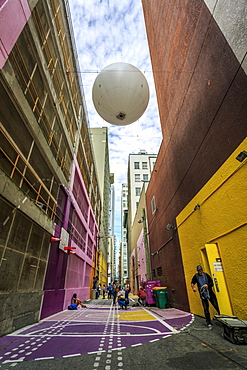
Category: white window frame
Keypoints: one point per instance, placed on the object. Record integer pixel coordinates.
(137, 177)
(139, 190)
(153, 205)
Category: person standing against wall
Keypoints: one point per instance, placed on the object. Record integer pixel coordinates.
(205, 284)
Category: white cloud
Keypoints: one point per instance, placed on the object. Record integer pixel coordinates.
(109, 31)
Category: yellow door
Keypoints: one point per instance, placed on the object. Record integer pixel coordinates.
(213, 265)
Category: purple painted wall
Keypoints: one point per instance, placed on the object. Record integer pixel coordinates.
(84, 237)
(71, 273)
(13, 17)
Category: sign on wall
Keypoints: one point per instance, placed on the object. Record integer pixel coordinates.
(65, 240)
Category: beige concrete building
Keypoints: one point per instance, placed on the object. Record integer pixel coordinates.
(99, 138)
(140, 167)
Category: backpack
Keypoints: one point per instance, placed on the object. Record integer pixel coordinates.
(204, 292)
(72, 307)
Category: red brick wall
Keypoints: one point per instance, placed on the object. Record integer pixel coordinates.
(201, 91)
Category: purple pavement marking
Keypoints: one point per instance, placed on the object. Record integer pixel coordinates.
(84, 328)
(179, 322)
(66, 334)
(37, 329)
(143, 327)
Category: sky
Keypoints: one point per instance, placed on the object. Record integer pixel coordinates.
(106, 32)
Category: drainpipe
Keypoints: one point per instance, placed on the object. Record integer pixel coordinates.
(146, 245)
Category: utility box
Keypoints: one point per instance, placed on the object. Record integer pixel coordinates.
(235, 330)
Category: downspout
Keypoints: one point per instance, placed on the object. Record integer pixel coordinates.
(146, 245)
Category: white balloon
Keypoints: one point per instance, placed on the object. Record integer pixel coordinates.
(120, 94)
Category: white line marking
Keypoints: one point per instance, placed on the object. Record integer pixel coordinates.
(76, 354)
(135, 345)
(16, 360)
(44, 358)
(96, 352)
(118, 349)
(161, 321)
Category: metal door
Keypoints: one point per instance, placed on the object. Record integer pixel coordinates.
(212, 264)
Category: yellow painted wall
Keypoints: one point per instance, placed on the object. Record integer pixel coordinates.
(221, 219)
(102, 270)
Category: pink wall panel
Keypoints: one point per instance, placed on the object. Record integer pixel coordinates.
(14, 15)
(141, 257)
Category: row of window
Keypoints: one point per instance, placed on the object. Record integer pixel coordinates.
(144, 165)
(144, 177)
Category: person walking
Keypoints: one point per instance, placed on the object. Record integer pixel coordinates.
(109, 289)
(98, 289)
(104, 291)
(126, 290)
(205, 284)
(114, 291)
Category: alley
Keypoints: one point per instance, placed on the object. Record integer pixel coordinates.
(103, 336)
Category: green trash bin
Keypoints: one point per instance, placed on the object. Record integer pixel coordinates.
(160, 296)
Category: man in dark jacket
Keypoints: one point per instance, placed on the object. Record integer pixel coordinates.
(205, 284)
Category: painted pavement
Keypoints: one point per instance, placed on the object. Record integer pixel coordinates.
(95, 329)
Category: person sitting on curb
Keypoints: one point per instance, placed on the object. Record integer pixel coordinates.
(142, 297)
(75, 300)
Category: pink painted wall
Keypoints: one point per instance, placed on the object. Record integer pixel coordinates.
(14, 15)
(141, 258)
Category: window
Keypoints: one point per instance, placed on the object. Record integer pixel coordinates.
(136, 165)
(144, 165)
(159, 271)
(153, 205)
(137, 204)
(137, 177)
(145, 177)
(138, 191)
